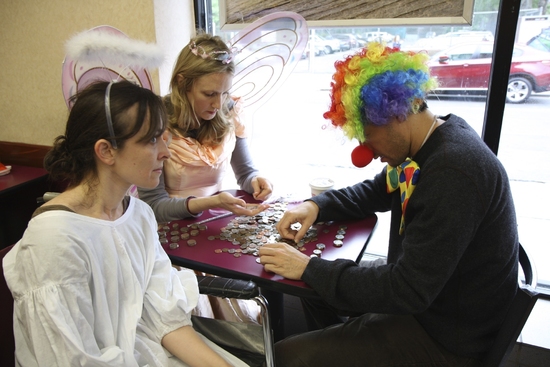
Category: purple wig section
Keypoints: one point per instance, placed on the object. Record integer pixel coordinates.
(391, 94)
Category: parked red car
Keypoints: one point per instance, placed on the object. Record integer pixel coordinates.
(465, 69)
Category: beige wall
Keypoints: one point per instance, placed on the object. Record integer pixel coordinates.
(32, 37)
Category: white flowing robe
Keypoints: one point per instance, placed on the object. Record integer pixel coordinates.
(95, 292)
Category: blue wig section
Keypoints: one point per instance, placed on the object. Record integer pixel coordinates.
(391, 94)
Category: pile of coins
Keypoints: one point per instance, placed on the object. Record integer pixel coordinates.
(175, 234)
(247, 234)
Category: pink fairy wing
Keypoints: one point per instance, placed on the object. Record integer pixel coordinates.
(268, 51)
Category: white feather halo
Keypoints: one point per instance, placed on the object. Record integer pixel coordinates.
(105, 47)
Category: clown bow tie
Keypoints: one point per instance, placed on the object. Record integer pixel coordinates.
(405, 176)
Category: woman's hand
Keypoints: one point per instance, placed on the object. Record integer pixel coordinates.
(237, 205)
(262, 188)
(225, 200)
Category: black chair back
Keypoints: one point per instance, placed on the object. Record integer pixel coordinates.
(517, 316)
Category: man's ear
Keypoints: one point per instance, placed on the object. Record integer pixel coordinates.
(104, 151)
(419, 105)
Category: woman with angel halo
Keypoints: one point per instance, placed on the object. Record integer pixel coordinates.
(208, 137)
(104, 292)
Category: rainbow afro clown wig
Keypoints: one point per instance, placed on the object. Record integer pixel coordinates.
(376, 85)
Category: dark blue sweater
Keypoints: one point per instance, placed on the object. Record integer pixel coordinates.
(455, 266)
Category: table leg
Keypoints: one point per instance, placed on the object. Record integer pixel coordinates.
(275, 301)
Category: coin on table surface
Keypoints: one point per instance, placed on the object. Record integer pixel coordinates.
(338, 243)
(218, 250)
(174, 246)
(191, 242)
(321, 246)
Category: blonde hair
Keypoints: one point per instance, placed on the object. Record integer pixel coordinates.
(191, 67)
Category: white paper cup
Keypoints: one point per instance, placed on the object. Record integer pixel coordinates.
(320, 185)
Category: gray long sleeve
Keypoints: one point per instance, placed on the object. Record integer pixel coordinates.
(165, 208)
(243, 166)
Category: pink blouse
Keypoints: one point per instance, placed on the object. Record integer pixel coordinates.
(195, 169)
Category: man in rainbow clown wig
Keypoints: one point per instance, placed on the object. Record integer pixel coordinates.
(451, 268)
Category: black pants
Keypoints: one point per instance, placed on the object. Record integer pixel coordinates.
(371, 340)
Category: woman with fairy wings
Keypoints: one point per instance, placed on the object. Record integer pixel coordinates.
(208, 137)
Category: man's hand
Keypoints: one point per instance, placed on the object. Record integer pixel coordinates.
(305, 214)
(283, 259)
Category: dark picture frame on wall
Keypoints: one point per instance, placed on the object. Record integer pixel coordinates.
(235, 14)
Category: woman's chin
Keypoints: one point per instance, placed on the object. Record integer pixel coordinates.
(149, 184)
(208, 116)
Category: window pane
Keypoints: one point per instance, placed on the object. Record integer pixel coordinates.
(525, 145)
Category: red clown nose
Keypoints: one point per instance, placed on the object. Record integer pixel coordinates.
(361, 156)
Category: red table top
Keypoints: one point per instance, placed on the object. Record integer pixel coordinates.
(206, 256)
(20, 175)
